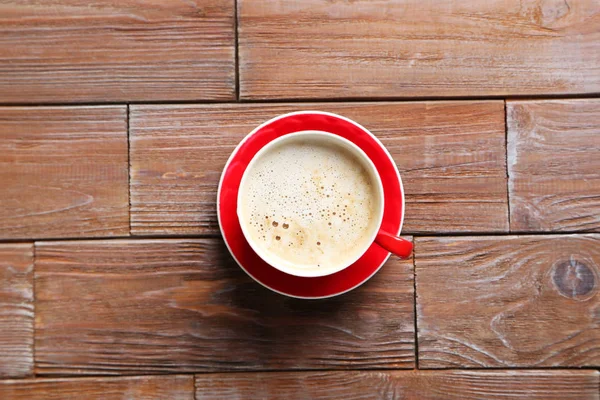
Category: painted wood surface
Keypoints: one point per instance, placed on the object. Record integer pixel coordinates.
(515, 301)
(16, 309)
(117, 119)
(406, 385)
(74, 51)
(451, 156)
(63, 172)
(175, 387)
(167, 306)
(554, 165)
(380, 49)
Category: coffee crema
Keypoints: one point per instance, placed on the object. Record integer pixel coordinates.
(309, 204)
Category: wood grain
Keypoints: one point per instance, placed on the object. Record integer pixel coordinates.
(516, 301)
(164, 306)
(63, 172)
(364, 48)
(128, 50)
(554, 165)
(408, 385)
(176, 387)
(16, 310)
(451, 156)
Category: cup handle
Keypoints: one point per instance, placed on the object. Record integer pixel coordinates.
(392, 243)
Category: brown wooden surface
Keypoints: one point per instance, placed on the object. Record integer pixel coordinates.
(16, 310)
(516, 301)
(158, 306)
(451, 157)
(63, 172)
(497, 181)
(364, 48)
(128, 50)
(407, 385)
(554, 165)
(175, 387)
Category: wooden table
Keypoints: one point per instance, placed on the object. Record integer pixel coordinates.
(118, 117)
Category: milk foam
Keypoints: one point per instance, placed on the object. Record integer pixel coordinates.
(310, 203)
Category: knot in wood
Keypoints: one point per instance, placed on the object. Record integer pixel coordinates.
(573, 278)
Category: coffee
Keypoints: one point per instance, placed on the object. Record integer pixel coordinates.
(310, 203)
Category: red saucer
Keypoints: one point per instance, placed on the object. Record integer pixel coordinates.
(249, 261)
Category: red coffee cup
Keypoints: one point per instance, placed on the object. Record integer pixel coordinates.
(273, 273)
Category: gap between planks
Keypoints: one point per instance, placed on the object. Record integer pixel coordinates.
(292, 371)
(415, 316)
(505, 167)
(236, 54)
(129, 166)
(34, 246)
(311, 100)
(217, 236)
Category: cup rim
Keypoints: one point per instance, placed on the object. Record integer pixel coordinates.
(373, 173)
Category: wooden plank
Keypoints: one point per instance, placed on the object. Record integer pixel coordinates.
(554, 165)
(516, 301)
(409, 385)
(16, 310)
(127, 50)
(450, 154)
(176, 387)
(63, 172)
(365, 48)
(158, 306)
